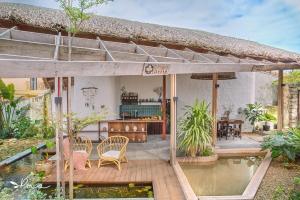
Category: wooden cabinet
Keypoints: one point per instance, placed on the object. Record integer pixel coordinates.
(135, 130)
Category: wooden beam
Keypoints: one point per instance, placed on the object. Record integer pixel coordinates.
(280, 101)
(176, 55)
(24, 48)
(173, 117)
(20, 68)
(214, 108)
(12, 56)
(8, 31)
(109, 57)
(140, 50)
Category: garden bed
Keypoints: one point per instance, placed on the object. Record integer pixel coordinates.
(10, 147)
(278, 181)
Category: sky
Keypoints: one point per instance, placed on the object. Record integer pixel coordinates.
(271, 22)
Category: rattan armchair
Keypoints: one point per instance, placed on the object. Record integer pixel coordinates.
(82, 143)
(112, 150)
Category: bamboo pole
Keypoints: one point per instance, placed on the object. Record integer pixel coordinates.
(173, 120)
(280, 101)
(214, 106)
(164, 109)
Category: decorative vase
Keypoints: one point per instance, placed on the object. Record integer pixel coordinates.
(126, 128)
(134, 128)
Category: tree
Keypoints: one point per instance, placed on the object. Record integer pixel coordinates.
(76, 11)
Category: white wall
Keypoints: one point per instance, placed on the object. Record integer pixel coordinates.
(107, 95)
(247, 88)
(235, 93)
(142, 85)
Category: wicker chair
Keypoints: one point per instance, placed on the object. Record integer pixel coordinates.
(82, 143)
(112, 150)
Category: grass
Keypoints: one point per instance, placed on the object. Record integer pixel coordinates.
(10, 147)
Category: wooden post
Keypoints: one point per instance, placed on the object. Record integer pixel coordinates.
(173, 120)
(70, 133)
(57, 102)
(214, 106)
(164, 109)
(280, 101)
(61, 137)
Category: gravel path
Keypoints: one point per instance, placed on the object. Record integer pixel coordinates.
(277, 177)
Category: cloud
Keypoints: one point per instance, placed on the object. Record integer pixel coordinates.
(272, 22)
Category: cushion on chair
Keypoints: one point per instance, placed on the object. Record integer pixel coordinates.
(112, 153)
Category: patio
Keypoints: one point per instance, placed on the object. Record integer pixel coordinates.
(157, 149)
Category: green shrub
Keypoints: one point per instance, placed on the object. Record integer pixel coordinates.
(207, 152)
(285, 144)
(268, 117)
(195, 129)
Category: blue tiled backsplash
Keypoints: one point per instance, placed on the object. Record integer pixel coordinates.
(140, 110)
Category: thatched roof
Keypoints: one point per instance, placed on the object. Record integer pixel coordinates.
(124, 29)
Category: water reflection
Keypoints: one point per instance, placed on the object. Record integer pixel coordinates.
(229, 176)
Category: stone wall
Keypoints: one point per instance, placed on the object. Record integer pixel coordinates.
(293, 104)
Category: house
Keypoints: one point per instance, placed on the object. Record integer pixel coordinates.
(239, 90)
(117, 61)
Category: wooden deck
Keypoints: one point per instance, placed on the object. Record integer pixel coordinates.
(159, 172)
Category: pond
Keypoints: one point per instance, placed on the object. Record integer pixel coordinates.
(228, 176)
(130, 190)
(18, 169)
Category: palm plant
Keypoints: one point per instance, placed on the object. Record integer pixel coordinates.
(195, 129)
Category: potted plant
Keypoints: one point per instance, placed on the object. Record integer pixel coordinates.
(254, 113)
(195, 136)
(269, 119)
(44, 165)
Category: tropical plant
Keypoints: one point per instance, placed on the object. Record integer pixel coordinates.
(254, 113)
(195, 129)
(284, 144)
(8, 109)
(290, 77)
(268, 117)
(295, 139)
(79, 123)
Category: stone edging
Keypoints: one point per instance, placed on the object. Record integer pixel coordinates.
(198, 159)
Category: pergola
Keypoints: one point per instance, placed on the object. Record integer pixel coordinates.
(25, 54)
(32, 54)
